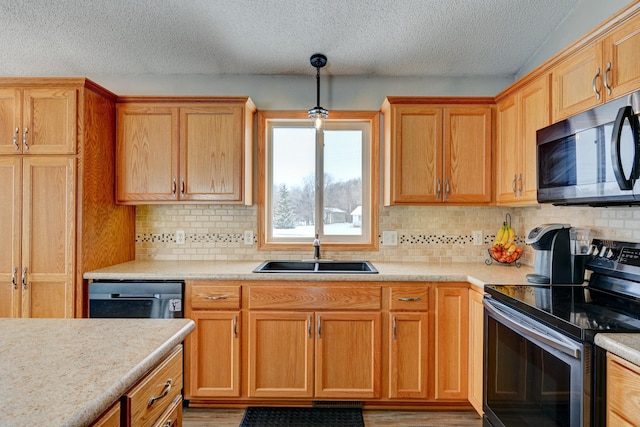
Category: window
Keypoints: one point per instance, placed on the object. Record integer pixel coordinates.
(318, 183)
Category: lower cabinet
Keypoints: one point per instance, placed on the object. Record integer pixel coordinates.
(334, 355)
(476, 349)
(623, 392)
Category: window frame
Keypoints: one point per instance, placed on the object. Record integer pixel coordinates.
(372, 118)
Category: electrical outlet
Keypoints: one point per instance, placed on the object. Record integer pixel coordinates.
(390, 238)
(248, 237)
(477, 237)
(180, 237)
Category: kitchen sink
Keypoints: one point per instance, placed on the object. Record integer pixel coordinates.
(319, 266)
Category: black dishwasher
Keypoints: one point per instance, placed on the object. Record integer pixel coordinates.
(136, 299)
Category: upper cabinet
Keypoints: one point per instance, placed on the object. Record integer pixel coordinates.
(38, 120)
(518, 116)
(184, 150)
(602, 70)
(437, 150)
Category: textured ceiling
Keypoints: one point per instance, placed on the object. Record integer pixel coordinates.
(274, 37)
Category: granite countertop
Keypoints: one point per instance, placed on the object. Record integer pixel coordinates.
(66, 372)
(478, 274)
(624, 345)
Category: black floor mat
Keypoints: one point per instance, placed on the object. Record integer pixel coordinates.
(258, 416)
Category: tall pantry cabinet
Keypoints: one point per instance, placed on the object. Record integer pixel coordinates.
(58, 216)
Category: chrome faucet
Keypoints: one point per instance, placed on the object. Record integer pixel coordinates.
(316, 248)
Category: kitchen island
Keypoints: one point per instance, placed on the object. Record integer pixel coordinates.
(67, 372)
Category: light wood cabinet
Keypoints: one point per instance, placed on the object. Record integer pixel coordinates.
(409, 344)
(111, 417)
(38, 120)
(297, 349)
(437, 152)
(602, 70)
(451, 342)
(58, 218)
(213, 349)
(184, 149)
(623, 392)
(518, 117)
(476, 350)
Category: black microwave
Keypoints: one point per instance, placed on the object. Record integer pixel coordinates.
(592, 158)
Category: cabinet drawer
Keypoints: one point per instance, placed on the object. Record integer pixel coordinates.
(314, 298)
(210, 296)
(623, 388)
(410, 298)
(173, 416)
(111, 418)
(151, 397)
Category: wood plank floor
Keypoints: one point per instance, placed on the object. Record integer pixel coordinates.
(199, 417)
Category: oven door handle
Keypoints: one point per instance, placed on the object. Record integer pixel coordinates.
(527, 329)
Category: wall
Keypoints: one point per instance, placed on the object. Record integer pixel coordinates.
(425, 234)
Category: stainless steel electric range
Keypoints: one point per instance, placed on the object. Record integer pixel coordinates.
(541, 366)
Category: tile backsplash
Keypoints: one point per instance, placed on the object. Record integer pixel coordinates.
(425, 233)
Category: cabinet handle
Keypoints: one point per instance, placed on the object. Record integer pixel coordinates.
(182, 187)
(520, 184)
(410, 299)
(606, 78)
(235, 326)
(24, 278)
(395, 328)
(319, 327)
(438, 188)
(24, 139)
(309, 320)
(14, 282)
(447, 188)
(215, 297)
(173, 188)
(168, 423)
(595, 79)
(167, 389)
(513, 185)
(15, 139)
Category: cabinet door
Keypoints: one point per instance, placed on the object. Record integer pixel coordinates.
(49, 121)
(348, 355)
(535, 114)
(577, 83)
(281, 348)
(476, 349)
(215, 354)
(10, 223)
(10, 121)
(408, 355)
(416, 154)
(622, 46)
(211, 157)
(48, 233)
(467, 155)
(623, 391)
(146, 153)
(452, 341)
(507, 165)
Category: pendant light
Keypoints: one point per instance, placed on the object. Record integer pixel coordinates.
(318, 114)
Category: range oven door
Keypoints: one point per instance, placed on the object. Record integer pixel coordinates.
(139, 299)
(534, 375)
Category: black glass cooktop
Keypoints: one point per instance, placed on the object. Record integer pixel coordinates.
(577, 310)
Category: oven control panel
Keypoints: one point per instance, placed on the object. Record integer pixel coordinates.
(615, 256)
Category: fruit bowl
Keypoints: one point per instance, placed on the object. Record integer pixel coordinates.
(495, 254)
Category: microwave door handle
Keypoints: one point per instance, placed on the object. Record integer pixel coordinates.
(625, 113)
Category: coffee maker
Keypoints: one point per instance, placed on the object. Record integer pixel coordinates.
(555, 260)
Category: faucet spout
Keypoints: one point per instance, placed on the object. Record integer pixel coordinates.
(316, 248)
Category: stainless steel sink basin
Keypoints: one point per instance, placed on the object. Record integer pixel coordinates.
(321, 266)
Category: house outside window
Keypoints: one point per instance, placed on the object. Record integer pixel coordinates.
(318, 183)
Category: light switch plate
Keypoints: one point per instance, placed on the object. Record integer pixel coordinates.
(180, 237)
(390, 238)
(248, 237)
(477, 237)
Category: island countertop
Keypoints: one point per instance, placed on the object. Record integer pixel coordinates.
(66, 372)
(478, 274)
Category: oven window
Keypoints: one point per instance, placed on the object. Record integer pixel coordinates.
(525, 385)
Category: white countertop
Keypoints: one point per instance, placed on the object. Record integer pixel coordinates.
(478, 274)
(66, 372)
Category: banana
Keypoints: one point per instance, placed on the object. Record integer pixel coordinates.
(505, 237)
(511, 234)
(499, 235)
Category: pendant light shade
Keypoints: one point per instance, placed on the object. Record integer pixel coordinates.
(318, 114)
